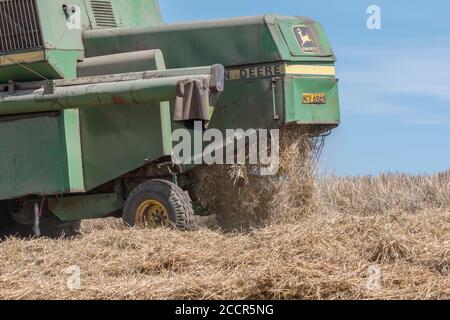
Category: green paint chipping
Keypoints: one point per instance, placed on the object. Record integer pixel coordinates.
(73, 148)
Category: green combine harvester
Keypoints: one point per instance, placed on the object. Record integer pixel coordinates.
(92, 90)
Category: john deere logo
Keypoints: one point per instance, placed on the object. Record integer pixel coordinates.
(306, 39)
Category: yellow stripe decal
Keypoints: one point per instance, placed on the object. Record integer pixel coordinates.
(309, 69)
(22, 57)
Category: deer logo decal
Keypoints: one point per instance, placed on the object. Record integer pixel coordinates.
(306, 39)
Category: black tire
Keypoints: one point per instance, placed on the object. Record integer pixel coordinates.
(8, 226)
(50, 225)
(175, 202)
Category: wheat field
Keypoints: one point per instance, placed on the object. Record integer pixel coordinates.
(385, 237)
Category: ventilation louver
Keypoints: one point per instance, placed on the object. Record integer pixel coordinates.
(103, 14)
(19, 26)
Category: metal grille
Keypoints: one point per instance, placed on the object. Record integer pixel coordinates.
(19, 25)
(103, 14)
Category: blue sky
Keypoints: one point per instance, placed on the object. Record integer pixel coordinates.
(394, 82)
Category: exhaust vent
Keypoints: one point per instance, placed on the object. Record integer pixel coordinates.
(103, 14)
(19, 26)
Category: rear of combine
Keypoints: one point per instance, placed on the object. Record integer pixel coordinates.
(93, 90)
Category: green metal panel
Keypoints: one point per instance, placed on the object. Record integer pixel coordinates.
(166, 128)
(63, 45)
(63, 62)
(297, 112)
(53, 25)
(228, 42)
(119, 139)
(139, 12)
(249, 104)
(85, 207)
(264, 96)
(130, 13)
(231, 42)
(127, 14)
(16, 73)
(56, 64)
(32, 158)
(72, 136)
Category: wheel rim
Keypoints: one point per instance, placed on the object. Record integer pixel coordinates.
(153, 214)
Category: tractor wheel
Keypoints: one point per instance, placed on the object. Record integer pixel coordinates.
(8, 226)
(158, 203)
(11, 223)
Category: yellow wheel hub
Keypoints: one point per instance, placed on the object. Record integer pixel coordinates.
(153, 214)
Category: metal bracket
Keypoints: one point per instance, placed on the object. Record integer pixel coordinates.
(11, 87)
(49, 87)
(276, 116)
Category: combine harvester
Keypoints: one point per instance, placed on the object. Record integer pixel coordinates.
(92, 90)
